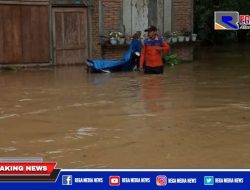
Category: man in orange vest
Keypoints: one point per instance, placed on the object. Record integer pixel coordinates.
(151, 54)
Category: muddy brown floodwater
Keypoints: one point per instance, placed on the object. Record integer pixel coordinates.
(194, 116)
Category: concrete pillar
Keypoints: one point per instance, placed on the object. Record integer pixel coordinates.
(167, 4)
(127, 16)
(101, 19)
(139, 15)
(152, 12)
(160, 14)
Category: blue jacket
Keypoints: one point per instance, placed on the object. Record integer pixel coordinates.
(136, 45)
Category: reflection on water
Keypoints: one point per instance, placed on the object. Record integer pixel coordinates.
(152, 93)
(194, 116)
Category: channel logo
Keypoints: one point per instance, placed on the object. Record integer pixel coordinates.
(226, 20)
(114, 180)
(67, 180)
(209, 180)
(161, 180)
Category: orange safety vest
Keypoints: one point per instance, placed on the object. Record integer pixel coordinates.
(150, 54)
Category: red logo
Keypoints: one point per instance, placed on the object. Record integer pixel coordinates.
(161, 180)
(114, 180)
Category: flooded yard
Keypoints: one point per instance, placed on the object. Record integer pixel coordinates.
(196, 115)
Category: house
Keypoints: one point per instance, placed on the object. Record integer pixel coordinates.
(56, 32)
(132, 15)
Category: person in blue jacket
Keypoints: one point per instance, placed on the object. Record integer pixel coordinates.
(132, 56)
(135, 47)
(136, 43)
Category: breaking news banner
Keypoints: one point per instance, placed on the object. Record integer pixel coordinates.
(34, 173)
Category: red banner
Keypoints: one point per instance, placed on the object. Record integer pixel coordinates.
(29, 168)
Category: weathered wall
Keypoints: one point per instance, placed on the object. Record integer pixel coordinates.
(164, 15)
(70, 35)
(112, 15)
(182, 15)
(167, 15)
(184, 51)
(24, 34)
(96, 48)
(112, 21)
(139, 14)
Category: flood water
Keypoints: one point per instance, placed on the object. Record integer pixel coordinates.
(196, 115)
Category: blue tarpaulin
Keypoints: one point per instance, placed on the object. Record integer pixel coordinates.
(123, 64)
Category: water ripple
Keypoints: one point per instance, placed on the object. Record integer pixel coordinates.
(7, 149)
(8, 116)
(24, 100)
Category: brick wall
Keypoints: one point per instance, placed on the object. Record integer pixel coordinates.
(112, 15)
(183, 51)
(112, 22)
(112, 18)
(182, 15)
(114, 52)
(182, 18)
(96, 50)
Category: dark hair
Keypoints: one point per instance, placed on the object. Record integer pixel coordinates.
(137, 35)
(151, 29)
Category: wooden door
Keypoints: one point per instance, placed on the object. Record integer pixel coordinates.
(70, 35)
(24, 34)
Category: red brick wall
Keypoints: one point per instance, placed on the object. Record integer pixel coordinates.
(182, 15)
(112, 22)
(183, 19)
(112, 18)
(112, 15)
(183, 51)
(96, 50)
(114, 52)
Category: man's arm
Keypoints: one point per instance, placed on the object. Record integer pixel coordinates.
(165, 47)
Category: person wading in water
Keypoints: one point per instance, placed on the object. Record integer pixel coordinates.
(151, 54)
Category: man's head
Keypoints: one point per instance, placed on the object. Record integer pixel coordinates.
(137, 35)
(151, 31)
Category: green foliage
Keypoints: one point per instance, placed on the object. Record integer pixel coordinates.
(204, 20)
(172, 59)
